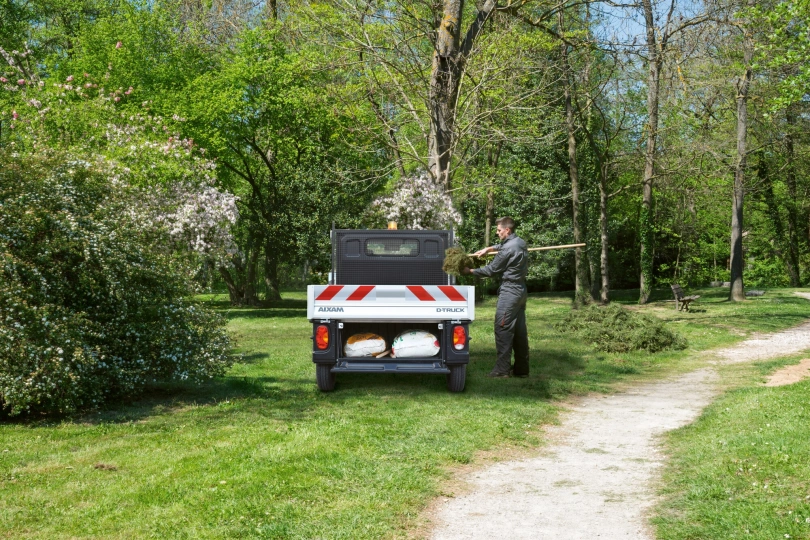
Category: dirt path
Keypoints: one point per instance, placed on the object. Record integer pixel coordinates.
(595, 478)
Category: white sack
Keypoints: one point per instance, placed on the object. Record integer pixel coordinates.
(415, 343)
(364, 345)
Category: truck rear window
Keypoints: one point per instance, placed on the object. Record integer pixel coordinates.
(392, 247)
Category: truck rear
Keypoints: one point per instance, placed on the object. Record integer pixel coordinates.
(390, 284)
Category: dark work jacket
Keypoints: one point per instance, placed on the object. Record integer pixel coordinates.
(511, 263)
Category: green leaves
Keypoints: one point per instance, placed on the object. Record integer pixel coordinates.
(786, 48)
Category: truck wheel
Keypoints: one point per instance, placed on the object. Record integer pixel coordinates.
(325, 377)
(456, 378)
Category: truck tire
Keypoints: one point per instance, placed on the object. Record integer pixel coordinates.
(456, 378)
(325, 377)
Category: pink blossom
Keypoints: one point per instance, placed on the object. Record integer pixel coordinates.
(117, 99)
(3, 80)
(118, 45)
(86, 75)
(69, 79)
(128, 92)
(21, 82)
(14, 115)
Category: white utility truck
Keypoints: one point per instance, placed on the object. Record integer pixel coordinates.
(390, 283)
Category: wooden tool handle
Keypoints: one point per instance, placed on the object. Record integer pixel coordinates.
(546, 248)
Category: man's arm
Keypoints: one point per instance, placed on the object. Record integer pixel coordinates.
(495, 268)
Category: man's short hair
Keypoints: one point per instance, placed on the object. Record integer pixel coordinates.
(506, 223)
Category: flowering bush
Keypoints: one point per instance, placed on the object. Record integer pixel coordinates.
(91, 304)
(135, 148)
(417, 202)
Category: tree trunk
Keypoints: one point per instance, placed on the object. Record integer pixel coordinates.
(444, 85)
(742, 85)
(271, 275)
(234, 291)
(490, 216)
(594, 276)
(604, 293)
(250, 297)
(653, 79)
(581, 285)
(793, 267)
(493, 156)
(449, 59)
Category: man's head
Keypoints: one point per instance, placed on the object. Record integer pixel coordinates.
(506, 226)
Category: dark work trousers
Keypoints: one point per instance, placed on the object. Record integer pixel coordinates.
(510, 328)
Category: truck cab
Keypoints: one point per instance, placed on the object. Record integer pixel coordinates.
(387, 282)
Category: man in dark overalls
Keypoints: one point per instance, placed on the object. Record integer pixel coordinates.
(511, 265)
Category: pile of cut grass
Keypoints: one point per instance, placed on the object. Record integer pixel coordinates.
(615, 329)
(456, 260)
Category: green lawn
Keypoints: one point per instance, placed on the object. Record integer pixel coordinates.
(261, 453)
(742, 470)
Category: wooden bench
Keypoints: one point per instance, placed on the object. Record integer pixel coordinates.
(681, 301)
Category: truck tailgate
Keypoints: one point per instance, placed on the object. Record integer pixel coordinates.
(391, 302)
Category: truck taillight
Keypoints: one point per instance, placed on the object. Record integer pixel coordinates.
(459, 337)
(322, 337)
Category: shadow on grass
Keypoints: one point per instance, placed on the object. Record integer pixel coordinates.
(546, 367)
(558, 367)
(253, 358)
(160, 398)
(284, 308)
(294, 398)
(263, 313)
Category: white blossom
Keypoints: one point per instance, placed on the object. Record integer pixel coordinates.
(418, 202)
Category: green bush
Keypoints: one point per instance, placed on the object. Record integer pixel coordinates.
(92, 304)
(615, 329)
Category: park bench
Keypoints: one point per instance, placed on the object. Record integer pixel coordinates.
(681, 301)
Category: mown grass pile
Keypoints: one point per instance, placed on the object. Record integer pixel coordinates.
(456, 259)
(615, 329)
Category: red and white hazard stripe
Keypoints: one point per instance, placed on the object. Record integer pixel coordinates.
(408, 293)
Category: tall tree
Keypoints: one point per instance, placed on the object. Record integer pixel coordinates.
(581, 282)
(741, 86)
(657, 40)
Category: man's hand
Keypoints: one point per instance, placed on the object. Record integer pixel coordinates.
(466, 271)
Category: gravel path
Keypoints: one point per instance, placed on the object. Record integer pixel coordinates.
(595, 478)
(791, 341)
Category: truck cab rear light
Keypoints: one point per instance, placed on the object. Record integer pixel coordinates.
(459, 337)
(322, 337)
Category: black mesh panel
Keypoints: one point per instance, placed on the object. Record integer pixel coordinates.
(390, 257)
